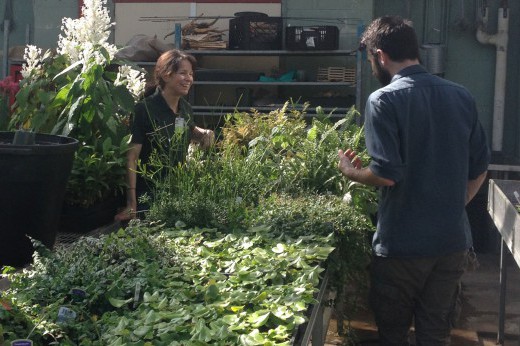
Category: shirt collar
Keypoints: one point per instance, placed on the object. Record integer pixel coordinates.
(413, 69)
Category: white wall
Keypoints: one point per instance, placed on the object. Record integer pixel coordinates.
(160, 18)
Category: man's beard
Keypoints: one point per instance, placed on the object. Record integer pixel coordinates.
(382, 75)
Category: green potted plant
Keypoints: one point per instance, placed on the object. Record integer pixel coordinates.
(81, 91)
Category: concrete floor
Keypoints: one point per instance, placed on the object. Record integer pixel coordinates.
(478, 323)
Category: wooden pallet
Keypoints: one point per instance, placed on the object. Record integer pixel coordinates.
(336, 74)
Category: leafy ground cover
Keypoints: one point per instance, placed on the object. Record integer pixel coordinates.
(168, 286)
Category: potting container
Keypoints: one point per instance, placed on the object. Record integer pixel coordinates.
(32, 186)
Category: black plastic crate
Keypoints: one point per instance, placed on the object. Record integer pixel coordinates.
(255, 33)
(312, 37)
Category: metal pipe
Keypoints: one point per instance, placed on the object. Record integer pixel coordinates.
(5, 55)
(502, 294)
(500, 40)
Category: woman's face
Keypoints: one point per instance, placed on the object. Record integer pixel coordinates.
(179, 82)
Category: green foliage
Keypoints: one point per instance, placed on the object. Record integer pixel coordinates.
(267, 216)
(150, 285)
(97, 174)
(258, 155)
(309, 214)
(86, 104)
(316, 214)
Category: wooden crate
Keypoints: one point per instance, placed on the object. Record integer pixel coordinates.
(336, 74)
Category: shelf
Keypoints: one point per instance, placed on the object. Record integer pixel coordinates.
(229, 52)
(259, 83)
(310, 111)
(216, 111)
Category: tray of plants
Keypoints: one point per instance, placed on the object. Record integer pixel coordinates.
(319, 315)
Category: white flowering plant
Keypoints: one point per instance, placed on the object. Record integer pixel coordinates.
(82, 91)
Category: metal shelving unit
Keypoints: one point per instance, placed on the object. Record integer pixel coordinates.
(219, 110)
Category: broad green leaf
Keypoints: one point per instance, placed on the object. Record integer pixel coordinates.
(123, 97)
(212, 293)
(201, 332)
(151, 317)
(142, 330)
(279, 248)
(107, 145)
(259, 318)
(260, 298)
(282, 313)
(298, 320)
(69, 68)
(253, 338)
(299, 306)
(236, 308)
(117, 303)
(231, 319)
(163, 303)
(312, 134)
(148, 298)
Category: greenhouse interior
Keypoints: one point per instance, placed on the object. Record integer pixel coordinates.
(250, 172)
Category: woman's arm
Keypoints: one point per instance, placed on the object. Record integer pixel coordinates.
(204, 137)
(131, 177)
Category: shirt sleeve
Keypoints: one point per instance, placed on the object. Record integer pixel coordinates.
(382, 139)
(140, 124)
(480, 153)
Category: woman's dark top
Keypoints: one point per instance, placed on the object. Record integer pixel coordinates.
(163, 133)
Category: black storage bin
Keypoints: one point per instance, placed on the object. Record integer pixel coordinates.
(312, 37)
(255, 33)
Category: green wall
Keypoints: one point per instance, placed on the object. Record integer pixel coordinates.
(469, 62)
(21, 21)
(47, 20)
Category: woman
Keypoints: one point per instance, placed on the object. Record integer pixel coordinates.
(162, 123)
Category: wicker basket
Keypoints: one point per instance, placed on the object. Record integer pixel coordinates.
(336, 74)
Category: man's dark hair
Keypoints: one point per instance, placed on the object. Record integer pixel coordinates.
(393, 35)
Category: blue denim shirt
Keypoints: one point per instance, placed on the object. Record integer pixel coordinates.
(423, 132)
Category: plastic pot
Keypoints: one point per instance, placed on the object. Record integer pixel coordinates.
(33, 179)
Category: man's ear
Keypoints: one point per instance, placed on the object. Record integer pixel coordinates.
(382, 57)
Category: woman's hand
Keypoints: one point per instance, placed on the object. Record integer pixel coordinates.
(208, 138)
(128, 213)
(204, 137)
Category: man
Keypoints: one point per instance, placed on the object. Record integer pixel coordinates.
(429, 157)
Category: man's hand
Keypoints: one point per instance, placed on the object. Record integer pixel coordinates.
(350, 166)
(348, 160)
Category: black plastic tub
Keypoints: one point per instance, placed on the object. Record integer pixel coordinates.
(33, 179)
